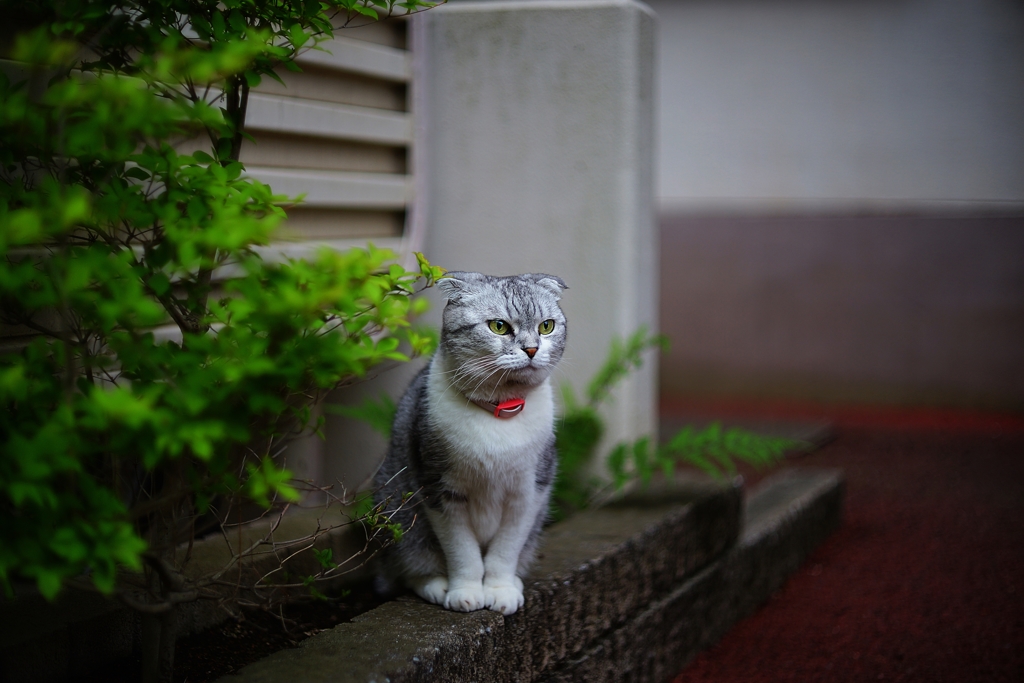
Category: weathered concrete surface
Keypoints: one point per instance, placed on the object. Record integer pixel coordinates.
(785, 519)
(625, 593)
(596, 570)
(602, 567)
(404, 640)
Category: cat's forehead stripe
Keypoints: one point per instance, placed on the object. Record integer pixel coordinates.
(523, 298)
(517, 302)
(517, 299)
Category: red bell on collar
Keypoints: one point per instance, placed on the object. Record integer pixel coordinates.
(503, 410)
(509, 408)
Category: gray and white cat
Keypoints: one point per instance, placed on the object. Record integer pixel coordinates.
(474, 438)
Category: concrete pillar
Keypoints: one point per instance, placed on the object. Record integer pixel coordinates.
(534, 154)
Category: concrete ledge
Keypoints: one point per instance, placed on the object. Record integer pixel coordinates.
(633, 551)
(786, 518)
(628, 592)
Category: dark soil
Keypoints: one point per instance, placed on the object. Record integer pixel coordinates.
(234, 644)
(210, 655)
(924, 580)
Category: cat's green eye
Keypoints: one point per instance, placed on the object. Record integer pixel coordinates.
(547, 327)
(499, 327)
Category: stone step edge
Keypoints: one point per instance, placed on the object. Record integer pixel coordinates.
(635, 550)
(786, 516)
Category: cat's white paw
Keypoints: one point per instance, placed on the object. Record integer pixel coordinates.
(505, 599)
(465, 599)
(431, 588)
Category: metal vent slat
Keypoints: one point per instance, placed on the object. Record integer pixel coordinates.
(338, 189)
(360, 57)
(318, 119)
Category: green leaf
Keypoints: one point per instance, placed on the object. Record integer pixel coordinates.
(623, 359)
(363, 507)
(266, 481)
(218, 25)
(617, 464)
(237, 22)
(49, 582)
(308, 581)
(160, 284)
(325, 558)
(577, 435)
(297, 35)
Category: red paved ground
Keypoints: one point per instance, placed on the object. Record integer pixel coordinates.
(924, 581)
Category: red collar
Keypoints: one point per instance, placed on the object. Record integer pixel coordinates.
(503, 410)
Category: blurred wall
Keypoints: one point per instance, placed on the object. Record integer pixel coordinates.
(534, 154)
(798, 101)
(841, 200)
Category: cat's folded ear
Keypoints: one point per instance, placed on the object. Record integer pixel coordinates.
(552, 283)
(456, 284)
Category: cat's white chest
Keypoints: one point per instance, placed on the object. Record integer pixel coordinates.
(493, 461)
(484, 447)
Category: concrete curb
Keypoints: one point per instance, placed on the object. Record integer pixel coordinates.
(672, 558)
(786, 518)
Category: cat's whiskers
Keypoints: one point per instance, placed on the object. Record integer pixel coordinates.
(479, 360)
(468, 368)
(471, 369)
(489, 375)
(498, 384)
(564, 367)
(453, 382)
(560, 369)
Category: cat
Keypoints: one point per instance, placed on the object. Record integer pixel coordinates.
(473, 437)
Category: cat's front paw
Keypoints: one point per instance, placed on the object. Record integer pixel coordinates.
(431, 588)
(506, 599)
(465, 599)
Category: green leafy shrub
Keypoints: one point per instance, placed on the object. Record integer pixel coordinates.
(154, 363)
(579, 431)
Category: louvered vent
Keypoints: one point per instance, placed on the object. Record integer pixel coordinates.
(339, 133)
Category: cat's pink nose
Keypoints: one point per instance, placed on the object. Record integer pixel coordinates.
(531, 351)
